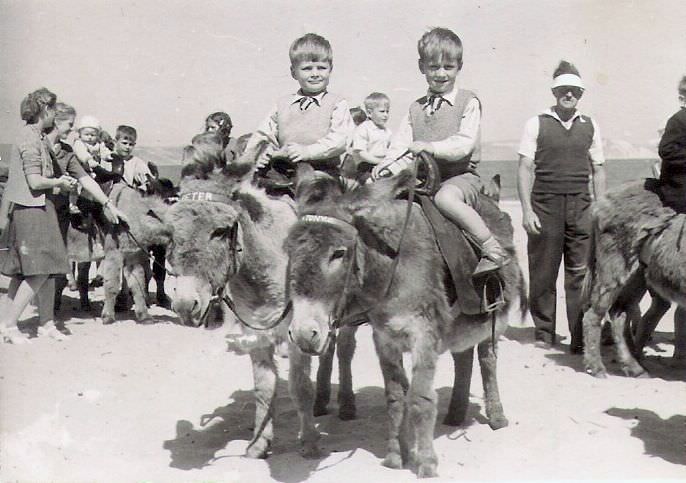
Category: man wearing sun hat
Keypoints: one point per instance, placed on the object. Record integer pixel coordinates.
(560, 149)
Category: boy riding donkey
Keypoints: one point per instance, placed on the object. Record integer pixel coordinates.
(312, 125)
(446, 124)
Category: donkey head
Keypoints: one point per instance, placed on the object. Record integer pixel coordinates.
(204, 253)
(326, 250)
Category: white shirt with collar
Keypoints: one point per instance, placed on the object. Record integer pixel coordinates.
(452, 148)
(372, 139)
(529, 143)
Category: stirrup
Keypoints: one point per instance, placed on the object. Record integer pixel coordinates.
(493, 297)
(487, 266)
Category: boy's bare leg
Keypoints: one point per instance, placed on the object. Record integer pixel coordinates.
(449, 201)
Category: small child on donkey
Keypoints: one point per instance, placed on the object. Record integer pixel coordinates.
(672, 151)
(446, 123)
(371, 138)
(89, 149)
(313, 125)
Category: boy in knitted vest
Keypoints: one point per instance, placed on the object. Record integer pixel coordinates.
(313, 125)
(446, 124)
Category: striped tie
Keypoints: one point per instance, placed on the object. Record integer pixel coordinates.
(433, 104)
(306, 101)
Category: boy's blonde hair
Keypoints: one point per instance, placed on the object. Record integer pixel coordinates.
(375, 99)
(310, 48)
(438, 43)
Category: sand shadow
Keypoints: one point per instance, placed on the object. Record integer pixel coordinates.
(195, 447)
(662, 438)
(523, 335)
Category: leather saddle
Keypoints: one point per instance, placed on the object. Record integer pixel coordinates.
(473, 296)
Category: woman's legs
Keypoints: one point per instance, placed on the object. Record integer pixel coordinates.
(17, 300)
(46, 311)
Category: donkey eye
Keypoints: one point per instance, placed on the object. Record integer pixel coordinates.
(338, 253)
(220, 233)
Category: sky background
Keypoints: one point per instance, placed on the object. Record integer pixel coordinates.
(163, 66)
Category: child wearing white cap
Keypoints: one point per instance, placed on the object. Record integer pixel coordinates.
(89, 150)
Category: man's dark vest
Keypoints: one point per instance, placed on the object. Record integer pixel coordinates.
(563, 165)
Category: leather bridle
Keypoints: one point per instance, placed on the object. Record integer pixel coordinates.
(220, 296)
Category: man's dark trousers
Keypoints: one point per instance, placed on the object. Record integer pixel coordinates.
(565, 232)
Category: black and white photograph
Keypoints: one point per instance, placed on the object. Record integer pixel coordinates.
(342, 241)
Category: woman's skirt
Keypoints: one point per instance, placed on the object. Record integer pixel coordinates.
(35, 245)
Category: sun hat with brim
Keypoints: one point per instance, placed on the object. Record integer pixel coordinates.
(572, 80)
(88, 121)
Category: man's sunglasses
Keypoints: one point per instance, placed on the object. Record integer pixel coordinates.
(563, 90)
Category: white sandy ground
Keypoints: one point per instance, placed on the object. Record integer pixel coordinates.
(123, 403)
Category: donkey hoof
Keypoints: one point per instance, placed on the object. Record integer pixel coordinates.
(259, 450)
(453, 420)
(107, 319)
(427, 470)
(320, 410)
(498, 422)
(310, 450)
(598, 371)
(635, 372)
(347, 413)
(393, 460)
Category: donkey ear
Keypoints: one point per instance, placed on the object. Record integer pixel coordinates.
(386, 189)
(314, 187)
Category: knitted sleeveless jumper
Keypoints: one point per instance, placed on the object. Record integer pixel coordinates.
(445, 122)
(308, 126)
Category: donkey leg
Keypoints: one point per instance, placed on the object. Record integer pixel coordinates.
(630, 365)
(459, 399)
(264, 377)
(302, 394)
(602, 298)
(323, 395)
(134, 273)
(112, 269)
(345, 348)
(396, 386)
(422, 409)
(680, 336)
(488, 361)
(647, 324)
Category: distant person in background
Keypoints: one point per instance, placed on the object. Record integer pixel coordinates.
(220, 123)
(672, 151)
(371, 138)
(134, 171)
(559, 150)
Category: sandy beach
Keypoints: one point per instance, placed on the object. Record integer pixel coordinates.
(124, 403)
